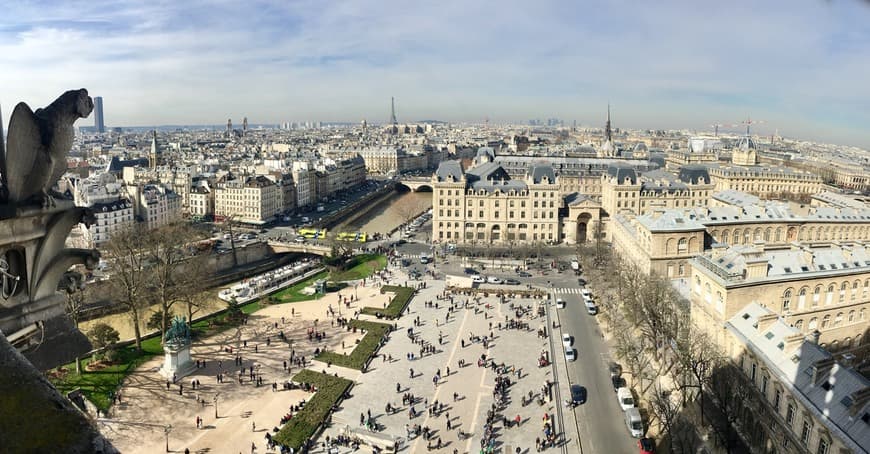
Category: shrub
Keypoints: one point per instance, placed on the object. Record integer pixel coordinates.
(397, 305)
(304, 424)
(364, 349)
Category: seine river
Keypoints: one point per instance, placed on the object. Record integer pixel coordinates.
(392, 212)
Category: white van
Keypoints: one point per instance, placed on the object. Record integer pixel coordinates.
(625, 399)
(633, 422)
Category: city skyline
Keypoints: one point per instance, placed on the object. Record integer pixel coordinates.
(800, 66)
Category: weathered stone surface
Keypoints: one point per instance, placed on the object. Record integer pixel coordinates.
(34, 417)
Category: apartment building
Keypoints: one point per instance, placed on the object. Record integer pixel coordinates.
(250, 200)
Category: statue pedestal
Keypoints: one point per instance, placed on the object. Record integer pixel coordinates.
(177, 361)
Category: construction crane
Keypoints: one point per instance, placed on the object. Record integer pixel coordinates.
(749, 121)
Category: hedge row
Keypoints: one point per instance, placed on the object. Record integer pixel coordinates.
(397, 305)
(304, 423)
(364, 350)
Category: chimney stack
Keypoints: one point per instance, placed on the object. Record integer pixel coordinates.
(822, 369)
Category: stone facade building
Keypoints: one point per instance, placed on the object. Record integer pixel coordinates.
(624, 190)
(802, 399)
(824, 289)
(484, 205)
(250, 200)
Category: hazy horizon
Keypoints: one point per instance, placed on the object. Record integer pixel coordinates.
(800, 66)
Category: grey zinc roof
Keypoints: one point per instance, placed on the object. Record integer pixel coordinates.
(539, 172)
(487, 171)
(693, 174)
(621, 173)
(794, 369)
(670, 220)
(447, 169)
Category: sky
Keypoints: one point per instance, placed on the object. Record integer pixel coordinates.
(802, 67)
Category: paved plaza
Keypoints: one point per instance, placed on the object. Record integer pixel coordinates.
(246, 412)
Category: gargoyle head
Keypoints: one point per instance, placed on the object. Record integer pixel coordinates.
(92, 259)
(83, 103)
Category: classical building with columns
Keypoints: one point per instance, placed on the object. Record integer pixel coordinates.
(483, 205)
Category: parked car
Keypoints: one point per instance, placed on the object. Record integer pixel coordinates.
(591, 308)
(633, 422)
(478, 279)
(493, 280)
(615, 369)
(646, 446)
(510, 282)
(617, 382)
(300, 239)
(567, 340)
(578, 395)
(472, 271)
(560, 303)
(524, 274)
(570, 354)
(624, 397)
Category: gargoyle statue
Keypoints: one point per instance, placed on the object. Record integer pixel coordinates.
(37, 147)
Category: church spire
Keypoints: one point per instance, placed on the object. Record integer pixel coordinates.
(153, 155)
(608, 133)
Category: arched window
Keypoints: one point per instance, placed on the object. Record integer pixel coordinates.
(786, 300)
(707, 294)
(767, 235)
(697, 284)
(847, 342)
(736, 238)
(802, 297)
(817, 293)
(682, 246)
(813, 324)
(778, 237)
(669, 246)
(726, 235)
(838, 320)
(829, 297)
(799, 325)
(851, 316)
(825, 321)
(861, 314)
(843, 288)
(855, 286)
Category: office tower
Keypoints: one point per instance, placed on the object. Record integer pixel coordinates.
(99, 124)
(229, 125)
(393, 120)
(245, 124)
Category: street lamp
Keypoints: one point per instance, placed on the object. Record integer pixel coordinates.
(166, 429)
(215, 405)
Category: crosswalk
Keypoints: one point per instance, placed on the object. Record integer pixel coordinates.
(567, 290)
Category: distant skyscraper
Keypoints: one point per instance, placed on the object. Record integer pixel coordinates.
(99, 123)
(393, 120)
(229, 125)
(245, 124)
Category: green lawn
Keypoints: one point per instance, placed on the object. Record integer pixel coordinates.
(397, 304)
(366, 348)
(361, 266)
(98, 386)
(304, 423)
(294, 293)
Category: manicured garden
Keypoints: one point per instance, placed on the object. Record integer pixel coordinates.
(294, 293)
(365, 348)
(304, 423)
(398, 304)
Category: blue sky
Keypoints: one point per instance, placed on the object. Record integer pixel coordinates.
(802, 66)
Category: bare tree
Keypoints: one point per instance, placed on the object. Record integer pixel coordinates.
(75, 296)
(697, 356)
(408, 208)
(127, 249)
(729, 391)
(169, 248)
(673, 421)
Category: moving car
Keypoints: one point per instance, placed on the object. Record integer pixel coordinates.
(624, 397)
(300, 239)
(575, 265)
(478, 279)
(524, 274)
(493, 280)
(570, 354)
(560, 303)
(472, 271)
(510, 282)
(578, 395)
(587, 295)
(567, 340)
(591, 308)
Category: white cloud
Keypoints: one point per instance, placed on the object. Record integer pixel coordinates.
(662, 64)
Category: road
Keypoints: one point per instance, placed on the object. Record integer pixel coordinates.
(600, 419)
